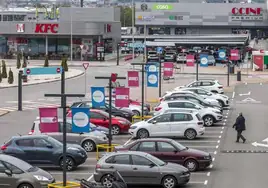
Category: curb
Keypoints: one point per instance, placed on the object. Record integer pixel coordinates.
(5, 113)
(51, 81)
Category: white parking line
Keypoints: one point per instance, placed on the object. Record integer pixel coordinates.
(192, 146)
(71, 173)
(197, 141)
(218, 141)
(233, 95)
(210, 166)
(129, 140)
(196, 182)
(206, 182)
(208, 174)
(213, 159)
(90, 177)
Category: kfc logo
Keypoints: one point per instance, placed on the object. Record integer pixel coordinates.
(46, 28)
(20, 28)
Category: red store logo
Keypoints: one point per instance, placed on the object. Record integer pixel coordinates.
(247, 11)
(46, 28)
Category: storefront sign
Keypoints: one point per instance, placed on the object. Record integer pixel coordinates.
(146, 18)
(247, 14)
(203, 60)
(121, 97)
(20, 28)
(168, 69)
(162, 7)
(175, 17)
(133, 78)
(46, 28)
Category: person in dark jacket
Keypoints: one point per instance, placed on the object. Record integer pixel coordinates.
(240, 127)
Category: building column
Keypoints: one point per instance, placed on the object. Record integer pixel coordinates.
(99, 39)
(46, 45)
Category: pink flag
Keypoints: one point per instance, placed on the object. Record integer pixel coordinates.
(234, 54)
(168, 69)
(122, 97)
(133, 78)
(190, 60)
(48, 120)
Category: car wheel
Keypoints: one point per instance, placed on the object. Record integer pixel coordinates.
(70, 165)
(190, 134)
(221, 103)
(107, 181)
(208, 120)
(136, 112)
(191, 164)
(169, 182)
(25, 185)
(115, 130)
(89, 145)
(143, 133)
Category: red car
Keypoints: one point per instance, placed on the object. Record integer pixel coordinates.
(169, 150)
(101, 118)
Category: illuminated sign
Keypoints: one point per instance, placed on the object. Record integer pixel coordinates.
(146, 18)
(46, 28)
(247, 14)
(175, 18)
(162, 7)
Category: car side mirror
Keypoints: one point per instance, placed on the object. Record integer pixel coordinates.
(154, 122)
(152, 165)
(49, 146)
(8, 172)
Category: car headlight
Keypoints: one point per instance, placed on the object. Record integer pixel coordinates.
(126, 114)
(74, 149)
(207, 157)
(217, 112)
(133, 127)
(41, 178)
(123, 122)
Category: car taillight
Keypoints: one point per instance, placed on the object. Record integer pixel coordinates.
(200, 123)
(220, 87)
(98, 166)
(158, 108)
(161, 99)
(31, 132)
(4, 147)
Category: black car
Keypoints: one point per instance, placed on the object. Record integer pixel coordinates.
(44, 150)
(115, 111)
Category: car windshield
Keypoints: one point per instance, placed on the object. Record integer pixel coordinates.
(156, 160)
(21, 164)
(54, 142)
(106, 114)
(152, 53)
(179, 146)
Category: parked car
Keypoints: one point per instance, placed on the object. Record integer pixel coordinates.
(44, 150)
(88, 141)
(169, 150)
(152, 56)
(16, 173)
(139, 168)
(223, 99)
(125, 50)
(187, 124)
(135, 102)
(170, 56)
(209, 115)
(127, 114)
(208, 84)
(181, 58)
(101, 118)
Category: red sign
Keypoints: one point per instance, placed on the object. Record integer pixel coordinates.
(122, 97)
(48, 120)
(261, 51)
(247, 11)
(108, 28)
(259, 61)
(234, 55)
(46, 28)
(133, 78)
(85, 65)
(190, 60)
(113, 77)
(168, 69)
(28, 71)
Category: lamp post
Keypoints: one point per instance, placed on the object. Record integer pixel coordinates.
(133, 50)
(72, 33)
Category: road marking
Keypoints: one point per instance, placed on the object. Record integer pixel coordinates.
(210, 166)
(196, 182)
(219, 136)
(260, 83)
(208, 174)
(90, 177)
(129, 140)
(246, 83)
(206, 182)
(221, 132)
(71, 173)
(213, 159)
(225, 120)
(224, 123)
(218, 141)
(245, 94)
(233, 95)
(192, 146)
(217, 146)
(10, 109)
(197, 141)
(215, 152)
(213, 132)
(222, 128)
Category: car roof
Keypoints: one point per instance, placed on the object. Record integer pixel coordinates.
(177, 101)
(29, 136)
(8, 158)
(154, 139)
(126, 152)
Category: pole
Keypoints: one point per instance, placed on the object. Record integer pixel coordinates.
(228, 74)
(196, 70)
(81, 3)
(160, 77)
(72, 34)
(142, 91)
(117, 55)
(145, 39)
(110, 112)
(20, 90)
(62, 84)
(133, 50)
(85, 81)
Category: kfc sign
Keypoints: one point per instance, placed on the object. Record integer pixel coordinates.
(20, 28)
(46, 28)
(247, 14)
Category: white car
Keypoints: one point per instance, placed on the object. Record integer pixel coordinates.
(208, 114)
(176, 92)
(170, 124)
(208, 84)
(169, 56)
(181, 57)
(152, 55)
(223, 99)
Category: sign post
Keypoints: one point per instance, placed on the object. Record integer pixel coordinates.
(81, 55)
(85, 65)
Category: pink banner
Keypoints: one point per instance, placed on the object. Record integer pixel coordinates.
(122, 97)
(234, 55)
(133, 78)
(48, 120)
(259, 61)
(190, 60)
(168, 69)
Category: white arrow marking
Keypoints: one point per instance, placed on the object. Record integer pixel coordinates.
(258, 144)
(265, 140)
(245, 94)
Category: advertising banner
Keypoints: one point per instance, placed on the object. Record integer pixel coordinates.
(190, 60)
(234, 55)
(121, 97)
(80, 120)
(133, 78)
(152, 67)
(48, 120)
(203, 60)
(222, 54)
(168, 69)
(98, 96)
(259, 61)
(152, 79)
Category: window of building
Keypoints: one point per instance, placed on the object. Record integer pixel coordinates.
(180, 31)
(159, 31)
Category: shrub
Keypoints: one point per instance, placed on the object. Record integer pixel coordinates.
(18, 61)
(46, 64)
(24, 64)
(4, 69)
(10, 77)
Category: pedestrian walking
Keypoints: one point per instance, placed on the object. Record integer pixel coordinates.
(240, 126)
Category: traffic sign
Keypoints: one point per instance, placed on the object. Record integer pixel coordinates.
(203, 60)
(85, 65)
(113, 77)
(152, 79)
(159, 50)
(80, 120)
(42, 70)
(98, 97)
(81, 46)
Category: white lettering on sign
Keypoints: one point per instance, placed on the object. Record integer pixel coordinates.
(234, 54)
(152, 79)
(168, 69)
(80, 119)
(48, 119)
(133, 78)
(122, 97)
(98, 96)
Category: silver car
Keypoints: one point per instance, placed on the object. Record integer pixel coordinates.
(88, 141)
(140, 168)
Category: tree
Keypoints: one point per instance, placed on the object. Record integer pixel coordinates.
(4, 69)
(64, 64)
(46, 64)
(10, 77)
(126, 16)
(18, 61)
(24, 64)
(0, 75)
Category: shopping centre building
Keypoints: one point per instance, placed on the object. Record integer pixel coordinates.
(174, 20)
(82, 32)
